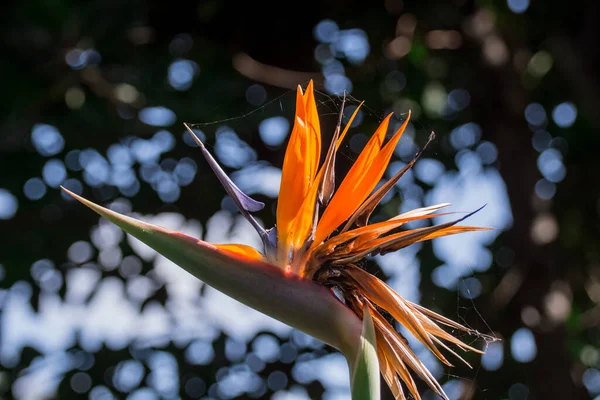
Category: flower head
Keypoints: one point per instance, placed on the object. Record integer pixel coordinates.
(323, 231)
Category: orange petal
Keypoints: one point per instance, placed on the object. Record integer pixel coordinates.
(385, 297)
(247, 252)
(402, 356)
(299, 165)
(380, 228)
(399, 240)
(360, 180)
(362, 214)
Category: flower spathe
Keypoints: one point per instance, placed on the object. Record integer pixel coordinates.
(322, 232)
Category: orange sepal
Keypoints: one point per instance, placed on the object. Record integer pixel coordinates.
(360, 180)
(299, 166)
(246, 252)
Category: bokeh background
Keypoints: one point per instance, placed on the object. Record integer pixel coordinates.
(94, 97)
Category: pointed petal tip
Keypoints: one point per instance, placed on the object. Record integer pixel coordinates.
(194, 136)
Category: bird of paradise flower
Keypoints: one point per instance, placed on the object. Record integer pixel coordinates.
(307, 275)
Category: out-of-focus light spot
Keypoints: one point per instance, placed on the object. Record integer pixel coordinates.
(434, 99)
(164, 376)
(200, 353)
(482, 23)
(535, 114)
(518, 6)
(467, 162)
(130, 266)
(591, 380)
(338, 84)
(493, 358)
(518, 391)
(72, 160)
(459, 99)
(168, 190)
(540, 64)
(406, 25)
(404, 104)
(487, 152)
(181, 74)
(495, 51)
(96, 168)
(54, 172)
(564, 114)
(81, 382)
(47, 140)
(544, 229)
(126, 93)
(454, 388)
(541, 140)
(465, 135)
(428, 170)
(522, 345)
(255, 363)
(353, 44)
(274, 130)
(74, 186)
(277, 380)
(181, 44)
(157, 116)
(234, 349)
(80, 252)
(590, 355)
(333, 68)
(128, 375)
(445, 277)
(398, 48)
(185, 171)
(40, 267)
(231, 150)
(557, 304)
(324, 53)
(74, 98)
(144, 393)
(258, 178)
(164, 140)
(326, 31)
(130, 190)
(470, 288)
(110, 258)
(145, 151)
(395, 81)
(119, 154)
(256, 94)
(76, 58)
(551, 166)
(34, 189)
(530, 316)
(266, 347)
(443, 39)
(195, 387)
(8, 204)
(545, 189)
(102, 393)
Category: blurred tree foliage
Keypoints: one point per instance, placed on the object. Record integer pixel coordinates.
(546, 271)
